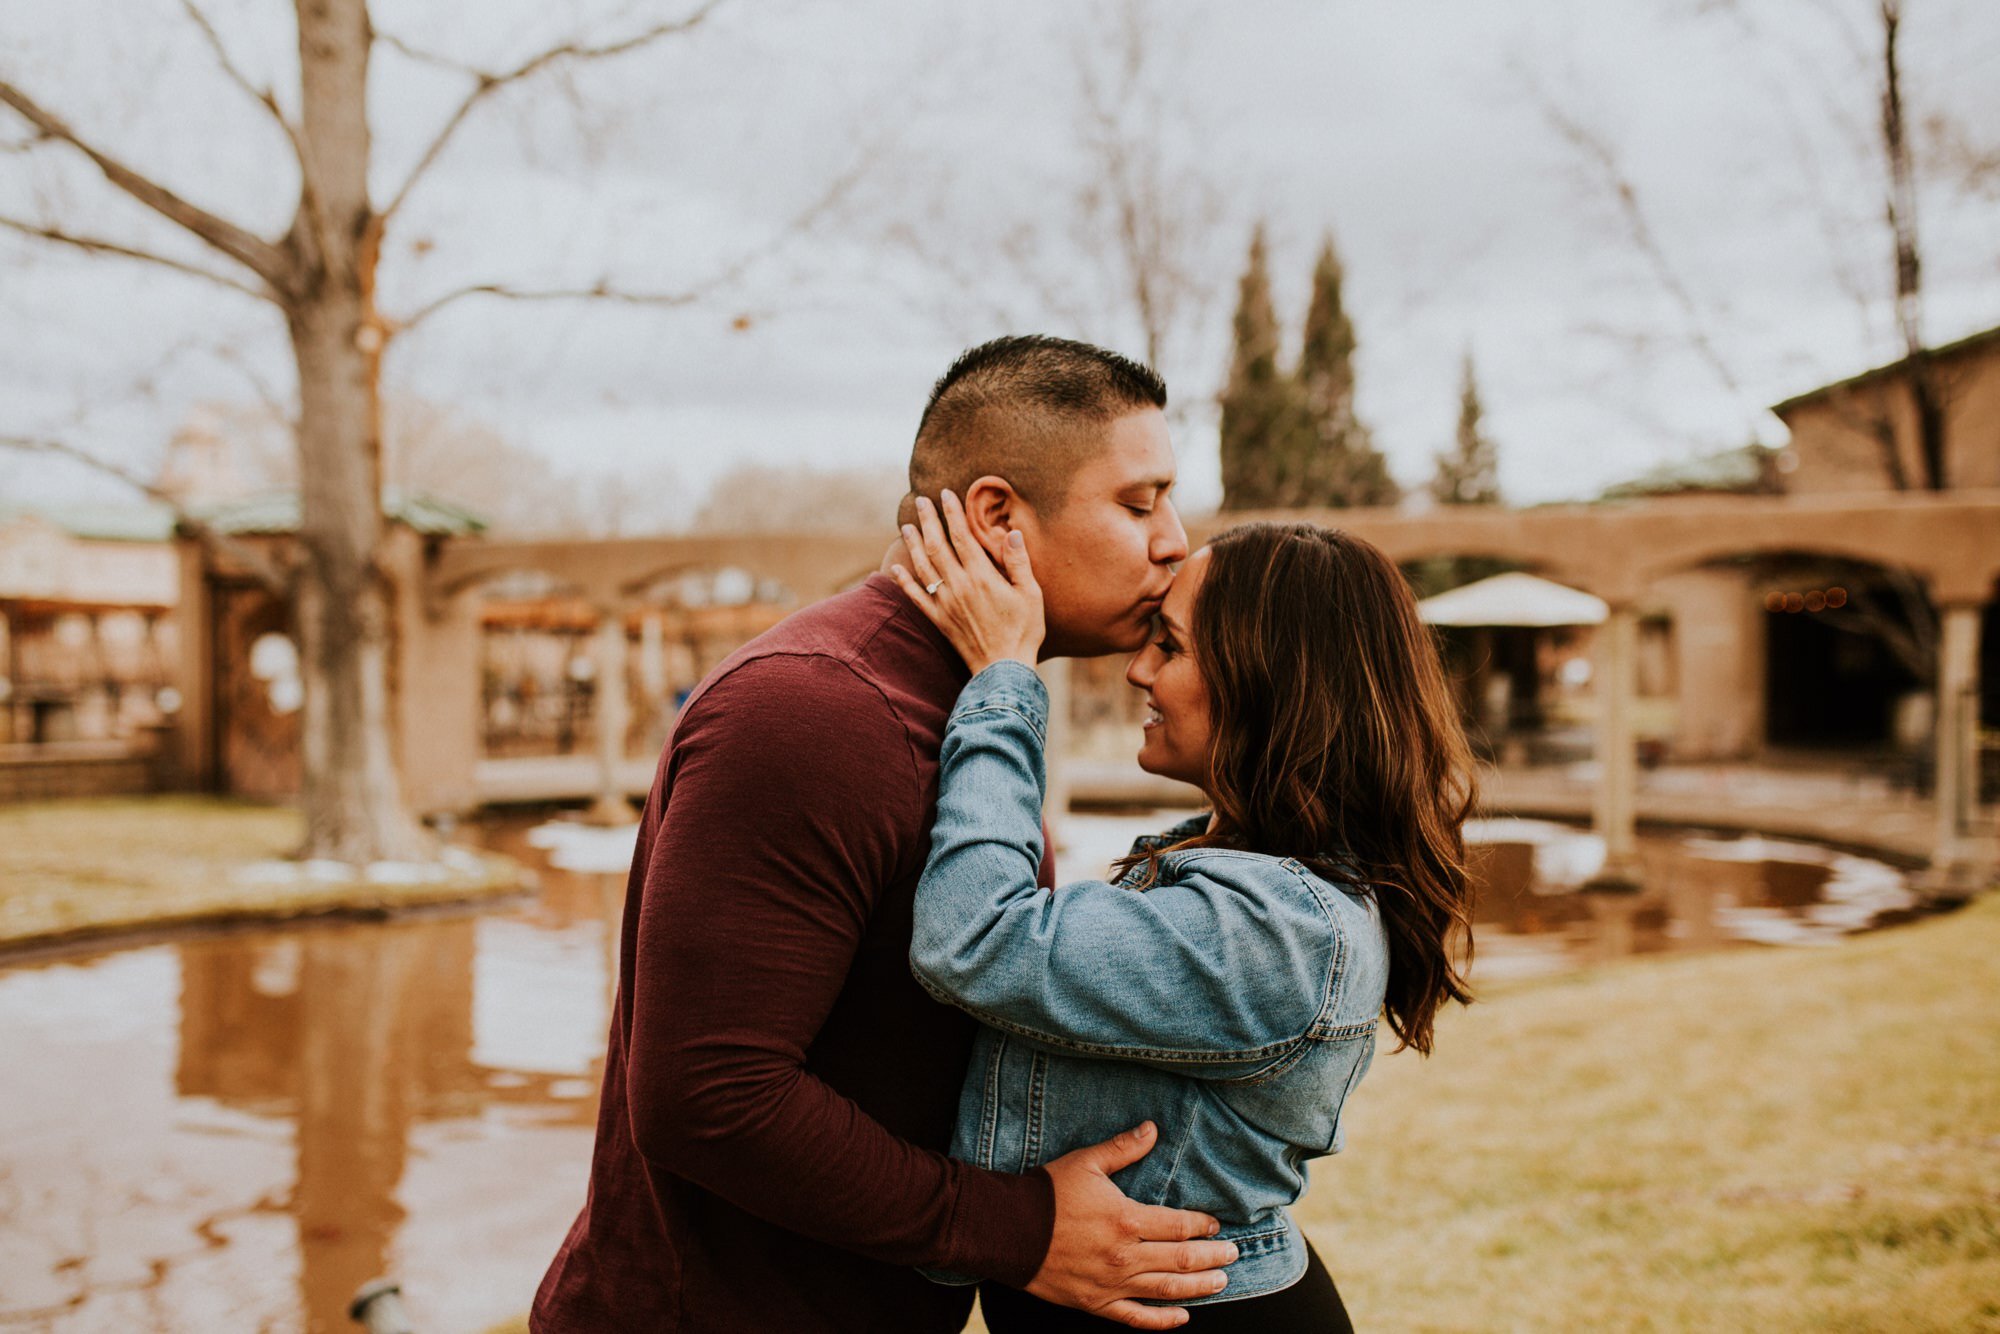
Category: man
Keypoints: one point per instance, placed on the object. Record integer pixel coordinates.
(778, 1089)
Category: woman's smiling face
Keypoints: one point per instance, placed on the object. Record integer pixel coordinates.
(1178, 726)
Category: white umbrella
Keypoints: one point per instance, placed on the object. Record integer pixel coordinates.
(1514, 599)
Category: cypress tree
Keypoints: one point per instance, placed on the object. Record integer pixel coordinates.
(1470, 473)
(1256, 398)
(1330, 458)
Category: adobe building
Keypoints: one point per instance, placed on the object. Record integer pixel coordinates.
(86, 640)
(1807, 655)
(87, 650)
(1855, 434)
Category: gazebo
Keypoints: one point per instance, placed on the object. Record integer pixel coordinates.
(1514, 600)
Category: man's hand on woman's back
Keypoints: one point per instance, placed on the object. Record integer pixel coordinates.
(1108, 1252)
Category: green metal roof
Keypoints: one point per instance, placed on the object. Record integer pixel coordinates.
(1742, 471)
(100, 523)
(276, 512)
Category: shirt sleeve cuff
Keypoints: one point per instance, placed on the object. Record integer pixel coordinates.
(1006, 1222)
(1007, 685)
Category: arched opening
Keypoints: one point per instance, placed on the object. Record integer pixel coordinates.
(257, 692)
(537, 675)
(1989, 696)
(1802, 656)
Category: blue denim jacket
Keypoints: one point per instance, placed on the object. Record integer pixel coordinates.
(1233, 1002)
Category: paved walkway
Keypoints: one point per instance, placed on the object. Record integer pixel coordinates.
(1843, 809)
(1826, 807)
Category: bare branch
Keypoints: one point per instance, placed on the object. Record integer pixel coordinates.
(262, 567)
(1977, 168)
(605, 290)
(98, 246)
(1602, 158)
(424, 57)
(265, 97)
(600, 291)
(261, 257)
(487, 82)
(283, 408)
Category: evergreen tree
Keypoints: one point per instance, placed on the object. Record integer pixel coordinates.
(1256, 399)
(1470, 473)
(1330, 458)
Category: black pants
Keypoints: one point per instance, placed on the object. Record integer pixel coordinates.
(1310, 1306)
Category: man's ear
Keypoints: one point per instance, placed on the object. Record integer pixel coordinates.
(991, 509)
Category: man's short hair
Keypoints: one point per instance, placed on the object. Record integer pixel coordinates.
(1028, 408)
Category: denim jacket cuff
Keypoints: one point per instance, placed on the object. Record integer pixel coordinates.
(1008, 685)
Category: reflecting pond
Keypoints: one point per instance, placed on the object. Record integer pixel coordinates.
(235, 1131)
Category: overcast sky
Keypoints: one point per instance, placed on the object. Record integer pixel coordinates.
(1417, 134)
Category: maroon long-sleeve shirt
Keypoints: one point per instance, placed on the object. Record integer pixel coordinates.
(779, 1090)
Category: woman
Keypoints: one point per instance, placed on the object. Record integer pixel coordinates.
(1229, 984)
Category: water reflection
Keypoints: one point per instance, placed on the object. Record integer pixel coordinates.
(351, 1035)
(1699, 893)
(235, 1132)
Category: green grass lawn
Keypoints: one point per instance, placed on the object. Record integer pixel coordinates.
(1766, 1139)
(74, 869)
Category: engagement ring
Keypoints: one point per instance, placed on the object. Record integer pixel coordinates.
(933, 586)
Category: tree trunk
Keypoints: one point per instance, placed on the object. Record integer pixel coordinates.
(1926, 394)
(352, 790)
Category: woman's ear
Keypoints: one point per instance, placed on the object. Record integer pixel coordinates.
(991, 510)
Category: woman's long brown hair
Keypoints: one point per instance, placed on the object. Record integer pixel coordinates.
(1337, 742)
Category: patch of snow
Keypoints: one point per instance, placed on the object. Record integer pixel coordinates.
(405, 873)
(462, 859)
(1507, 829)
(586, 848)
(271, 874)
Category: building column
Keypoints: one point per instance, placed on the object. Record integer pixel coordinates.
(9, 674)
(653, 654)
(1616, 808)
(1956, 734)
(653, 678)
(614, 715)
(1055, 808)
(195, 722)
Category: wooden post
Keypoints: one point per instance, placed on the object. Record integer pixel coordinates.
(1616, 808)
(614, 715)
(1956, 794)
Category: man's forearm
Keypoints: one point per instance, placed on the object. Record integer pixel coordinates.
(764, 1134)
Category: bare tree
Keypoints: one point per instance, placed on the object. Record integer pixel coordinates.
(1926, 390)
(320, 275)
(1134, 252)
(1872, 34)
(1598, 155)
(1896, 611)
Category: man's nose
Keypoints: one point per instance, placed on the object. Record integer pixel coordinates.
(1170, 545)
